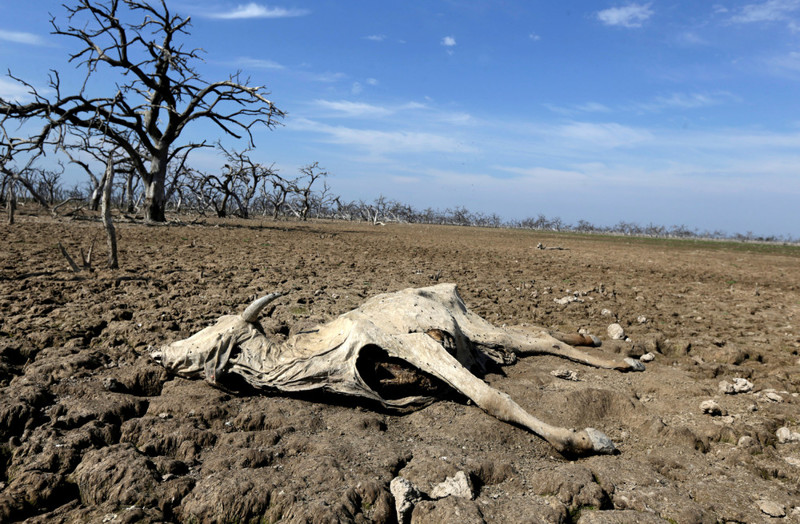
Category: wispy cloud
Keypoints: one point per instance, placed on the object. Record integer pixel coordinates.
(13, 91)
(769, 11)
(631, 15)
(605, 135)
(345, 108)
(687, 101)
(20, 37)
(376, 38)
(353, 109)
(658, 103)
(534, 37)
(379, 143)
(588, 107)
(254, 10)
(689, 38)
(449, 41)
(257, 63)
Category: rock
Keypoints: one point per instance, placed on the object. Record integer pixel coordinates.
(406, 496)
(773, 509)
(565, 374)
(740, 385)
(566, 300)
(616, 332)
(606, 312)
(459, 485)
(711, 407)
(647, 357)
(785, 435)
(641, 319)
(772, 396)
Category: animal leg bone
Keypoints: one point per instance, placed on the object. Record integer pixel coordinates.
(432, 358)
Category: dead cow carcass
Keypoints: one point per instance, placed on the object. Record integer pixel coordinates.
(381, 347)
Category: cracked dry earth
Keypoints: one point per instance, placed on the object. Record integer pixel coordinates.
(91, 430)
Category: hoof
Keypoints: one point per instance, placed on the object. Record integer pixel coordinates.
(635, 365)
(601, 444)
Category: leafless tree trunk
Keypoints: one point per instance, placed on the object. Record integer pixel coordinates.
(105, 209)
(11, 201)
(158, 91)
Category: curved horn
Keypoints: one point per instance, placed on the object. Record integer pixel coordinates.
(253, 310)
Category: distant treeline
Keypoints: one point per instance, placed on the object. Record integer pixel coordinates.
(309, 197)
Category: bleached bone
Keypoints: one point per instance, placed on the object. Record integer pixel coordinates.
(361, 353)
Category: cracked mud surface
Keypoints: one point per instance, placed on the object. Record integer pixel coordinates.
(92, 431)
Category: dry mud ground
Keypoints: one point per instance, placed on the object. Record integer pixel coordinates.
(92, 431)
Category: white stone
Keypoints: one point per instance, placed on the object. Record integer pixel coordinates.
(567, 300)
(458, 485)
(785, 435)
(774, 397)
(711, 407)
(647, 357)
(641, 319)
(616, 332)
(773, 509)
(565, 374)
(405, 497)
(740, 385)
(607, 313)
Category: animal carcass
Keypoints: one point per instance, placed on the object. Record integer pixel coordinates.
(386, 350)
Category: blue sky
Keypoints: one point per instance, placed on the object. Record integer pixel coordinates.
(670, 112)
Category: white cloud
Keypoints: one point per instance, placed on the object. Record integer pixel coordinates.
(372, 81)
(376, 38)
(686, 101)
(449, 41)
(328, 77)
(604, 135)
(631, 15)
(254, 10)
(257, 63)
(769, 11)
(534, 37)
(21, 38)
(357, 88)
(690, 38)
(378, 142)
(588, 107)
(362, 110)
(789, 62)
(12, 91)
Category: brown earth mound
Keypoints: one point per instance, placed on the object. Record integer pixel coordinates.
(91, 430)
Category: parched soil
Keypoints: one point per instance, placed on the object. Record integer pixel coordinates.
(91, 430)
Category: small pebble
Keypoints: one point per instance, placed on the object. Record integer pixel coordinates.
(647, 357)
(616, 332)
(711, 407)
(565, 374)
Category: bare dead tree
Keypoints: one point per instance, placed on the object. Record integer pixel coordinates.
(11, 201)
(243, 177)
(281, 187)
(158, 95)
(105, 209)
(302, 187)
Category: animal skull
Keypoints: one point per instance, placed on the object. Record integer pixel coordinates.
(377, 350)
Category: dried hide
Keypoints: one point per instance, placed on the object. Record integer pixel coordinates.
(393, 344)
